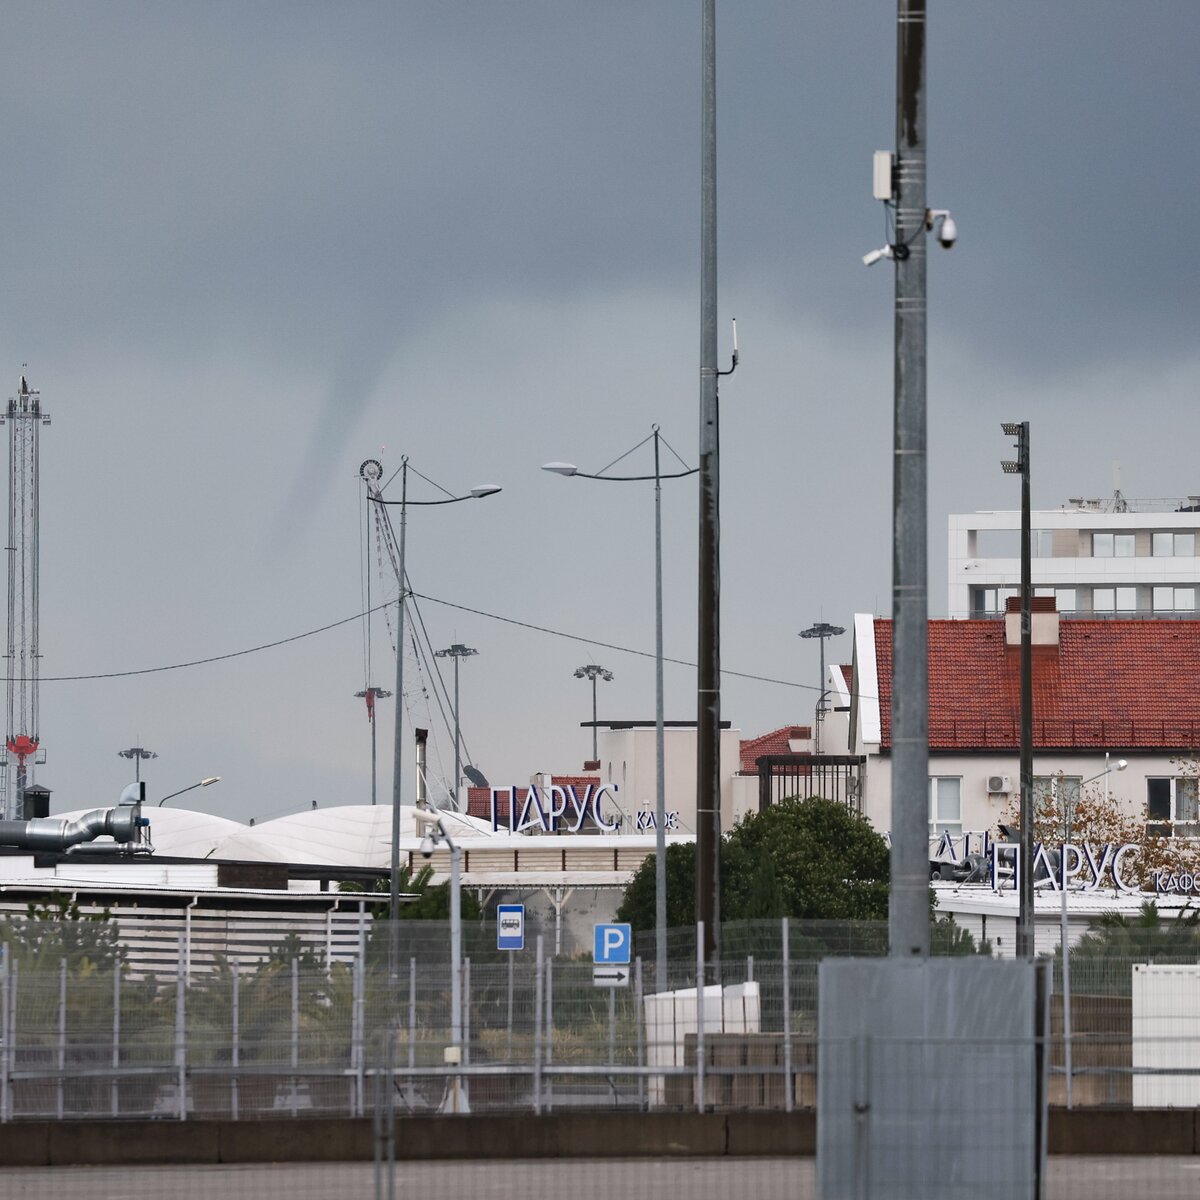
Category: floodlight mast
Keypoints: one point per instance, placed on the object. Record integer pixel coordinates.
(22, 737)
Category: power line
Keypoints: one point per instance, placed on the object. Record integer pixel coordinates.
(572, 637)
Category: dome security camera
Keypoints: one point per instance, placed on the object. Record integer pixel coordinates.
(427, 847)
(947, 233)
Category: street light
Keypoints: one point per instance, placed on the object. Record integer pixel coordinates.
(1025, 947)
(374, 493)
(594, 671)
(822, 630)
(138, 754)
(1064, 950)
(435, 833)
(660, 802)
(456, 651)
(203, 783)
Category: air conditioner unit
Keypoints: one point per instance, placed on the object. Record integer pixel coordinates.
(998, 785)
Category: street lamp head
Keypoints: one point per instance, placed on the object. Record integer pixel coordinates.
(485, 489)
(560, 468)
(1012, 428)
(822, 629)
(1011, 468)
(1121, 764)
(210, 781)
(593, 671)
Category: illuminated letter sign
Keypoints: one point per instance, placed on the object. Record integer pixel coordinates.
(563, 808)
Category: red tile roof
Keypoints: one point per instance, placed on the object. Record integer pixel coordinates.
(1109, 685)
(775, 742)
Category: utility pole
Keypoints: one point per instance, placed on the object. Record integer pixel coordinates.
(1025, 935)
(708, 616)
(908, 910)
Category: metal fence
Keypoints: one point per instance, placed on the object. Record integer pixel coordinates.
(292, 1034)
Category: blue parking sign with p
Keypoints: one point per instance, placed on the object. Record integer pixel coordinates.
(612, 944)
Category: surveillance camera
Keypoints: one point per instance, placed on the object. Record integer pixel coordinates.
(869, 260)
(947, 233)
(427, 847)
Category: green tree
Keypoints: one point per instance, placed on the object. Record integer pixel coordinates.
(1101, 961)
(433, 903)
(805, 859)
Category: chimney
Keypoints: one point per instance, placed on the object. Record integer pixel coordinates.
(422, 736)
(1043, 615)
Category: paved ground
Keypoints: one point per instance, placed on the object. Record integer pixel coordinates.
(619, 1179)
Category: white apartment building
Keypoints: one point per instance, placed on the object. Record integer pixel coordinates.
(1109, 557)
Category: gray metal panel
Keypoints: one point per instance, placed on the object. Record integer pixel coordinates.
(927, 1075)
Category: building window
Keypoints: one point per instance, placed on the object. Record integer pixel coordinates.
(945, 806)
(1114, 600)
(1173, 807)
(1064, 599)
(1060, 792)
(989, 600)
(1041, 543)
(1174, 599)
(1180, 545)
(1112, 545)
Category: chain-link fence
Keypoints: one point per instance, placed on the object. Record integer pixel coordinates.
(294, 1034)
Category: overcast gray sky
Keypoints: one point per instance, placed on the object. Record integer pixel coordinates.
(247, 246)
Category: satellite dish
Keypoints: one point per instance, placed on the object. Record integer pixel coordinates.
(476, 776)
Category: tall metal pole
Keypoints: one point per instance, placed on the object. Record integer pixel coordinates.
(595, 751)
(908, 910)
(456, 651)
(708, 658)
(1025, 936)
(398, 748)
(821, 630)
(660, 783)
(457, 739)
(456, 963)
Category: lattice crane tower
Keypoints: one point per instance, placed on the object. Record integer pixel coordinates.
(22, 740)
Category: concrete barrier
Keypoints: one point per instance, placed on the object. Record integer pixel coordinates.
(1123, 1131)
(131, 1143)
(515, 1135)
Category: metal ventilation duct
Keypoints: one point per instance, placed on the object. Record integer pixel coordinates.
(57, 833)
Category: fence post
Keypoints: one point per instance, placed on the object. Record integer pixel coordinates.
(412, 1015)
(612, 1025)
(510, 1007)
(14, 978)
(537, 1030)
(357, 1083)
(749, 968)
(295, 1028)
(181, 1026)
(640, 1031)
(4, 1046)
(235, 1038)
(62, 1037)
(549, 1031)
(465, 1022)
(700, 1016)
(788, 1079)
(114, 1092)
